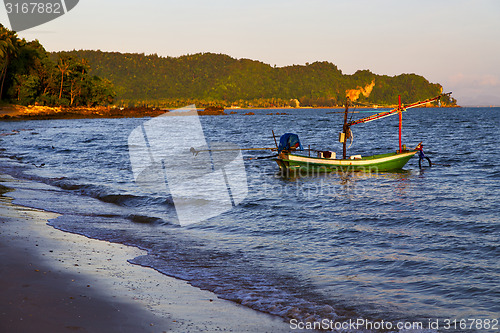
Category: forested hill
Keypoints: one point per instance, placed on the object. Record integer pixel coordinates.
(208, 79)
(28, 76)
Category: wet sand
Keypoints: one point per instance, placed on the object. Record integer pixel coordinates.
(53, 281)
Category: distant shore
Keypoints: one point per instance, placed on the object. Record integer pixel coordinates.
(19, 112)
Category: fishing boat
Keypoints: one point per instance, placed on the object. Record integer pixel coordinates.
(289, 160)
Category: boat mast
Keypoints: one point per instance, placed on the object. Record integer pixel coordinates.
(400, 111)
(345, 131)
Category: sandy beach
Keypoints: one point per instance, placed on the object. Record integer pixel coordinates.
(53, 281)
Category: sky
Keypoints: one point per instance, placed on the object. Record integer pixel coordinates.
(452, 42)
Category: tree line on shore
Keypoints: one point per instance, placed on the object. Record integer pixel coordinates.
(208, 79)
(29, 75)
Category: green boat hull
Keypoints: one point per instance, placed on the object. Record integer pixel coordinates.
(376, 163)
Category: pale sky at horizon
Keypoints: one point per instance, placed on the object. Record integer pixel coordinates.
(452, 42)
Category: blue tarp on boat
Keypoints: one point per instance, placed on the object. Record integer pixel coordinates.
(289, 140)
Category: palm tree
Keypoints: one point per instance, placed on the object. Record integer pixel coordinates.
(63, 66)
(85, 65)
(9, 45)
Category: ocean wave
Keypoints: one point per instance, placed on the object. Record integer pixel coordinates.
(251, 289)
(144, 219)
(109, 195)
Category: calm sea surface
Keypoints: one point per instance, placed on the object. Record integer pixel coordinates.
(414, 245)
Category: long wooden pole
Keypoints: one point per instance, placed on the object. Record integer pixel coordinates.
(274, 137)
(400, 122)
(345, 130)
(195, 152)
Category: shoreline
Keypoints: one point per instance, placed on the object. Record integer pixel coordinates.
(19, 112)
(60, 282)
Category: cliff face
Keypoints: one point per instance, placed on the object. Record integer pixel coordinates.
(353, 94)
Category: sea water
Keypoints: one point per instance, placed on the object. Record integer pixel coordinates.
(417, 245)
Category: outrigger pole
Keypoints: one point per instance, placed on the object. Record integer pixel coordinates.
(381, 115)
(399, 110)
(196, 152)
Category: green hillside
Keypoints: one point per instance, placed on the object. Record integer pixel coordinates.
(208, 79)
(29, 76)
